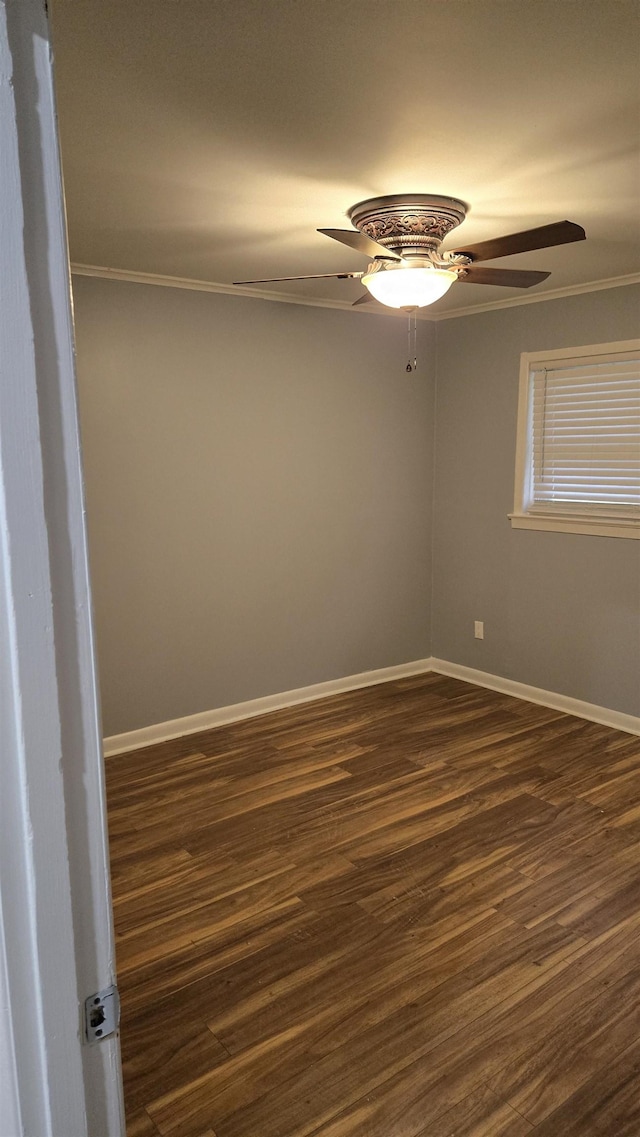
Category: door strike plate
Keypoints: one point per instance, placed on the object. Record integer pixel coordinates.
(101, 1014)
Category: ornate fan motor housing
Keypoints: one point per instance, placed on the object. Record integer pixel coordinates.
(412, 225)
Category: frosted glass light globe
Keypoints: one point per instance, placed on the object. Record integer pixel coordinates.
(409, 287)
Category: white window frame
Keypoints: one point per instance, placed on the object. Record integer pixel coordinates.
(571, 520)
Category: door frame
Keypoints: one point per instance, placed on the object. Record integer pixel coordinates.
(56, 922)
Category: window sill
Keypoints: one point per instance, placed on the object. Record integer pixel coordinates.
(599, 527)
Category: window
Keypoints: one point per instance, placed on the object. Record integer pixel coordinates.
(578, 446)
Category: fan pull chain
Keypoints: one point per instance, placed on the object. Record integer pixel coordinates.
(412, 366)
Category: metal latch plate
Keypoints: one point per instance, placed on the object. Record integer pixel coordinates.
(101, 1014)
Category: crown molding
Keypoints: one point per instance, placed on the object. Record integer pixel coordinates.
(539, 297)
(344, 305)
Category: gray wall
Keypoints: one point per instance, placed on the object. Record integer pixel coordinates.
(561, 611)
(259, 488)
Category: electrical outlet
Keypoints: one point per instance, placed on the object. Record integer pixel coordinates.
(478, 629)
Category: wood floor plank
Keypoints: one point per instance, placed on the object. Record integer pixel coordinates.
(561, 890)
(169, 969)
(544, 1077)
(608, 1104)
(368, 1082)
(482, 1114)
(160, 1047)
(139, 1124)
(422, 1086)
(407, 911)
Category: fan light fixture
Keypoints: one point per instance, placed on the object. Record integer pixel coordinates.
(404, 287)
(401, 235)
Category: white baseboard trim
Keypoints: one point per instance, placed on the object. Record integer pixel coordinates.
(205, 720)
(603, 715)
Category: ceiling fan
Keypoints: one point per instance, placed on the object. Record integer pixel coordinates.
(402, 234)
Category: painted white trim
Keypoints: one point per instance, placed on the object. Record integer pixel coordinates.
(55, 911)
(599, 351)
(524, 516)
(590, 711)
(205, 720)
(560, 523)
(220, 716)
(35, 891)
(431, 316)
(539, 297)
(524, 438)
(9, 1077)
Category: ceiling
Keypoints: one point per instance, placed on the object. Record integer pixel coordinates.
(209, 139)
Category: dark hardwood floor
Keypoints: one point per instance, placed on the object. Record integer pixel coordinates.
(407, 911)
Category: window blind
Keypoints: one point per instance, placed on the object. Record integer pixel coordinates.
(585, 451)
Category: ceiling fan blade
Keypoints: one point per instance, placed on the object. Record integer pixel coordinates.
(505, 277)
(559, 233)
(361, 243)
(366, 298)
(316, 276)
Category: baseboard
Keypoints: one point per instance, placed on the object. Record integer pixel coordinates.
(205, 720)
(604, 715)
